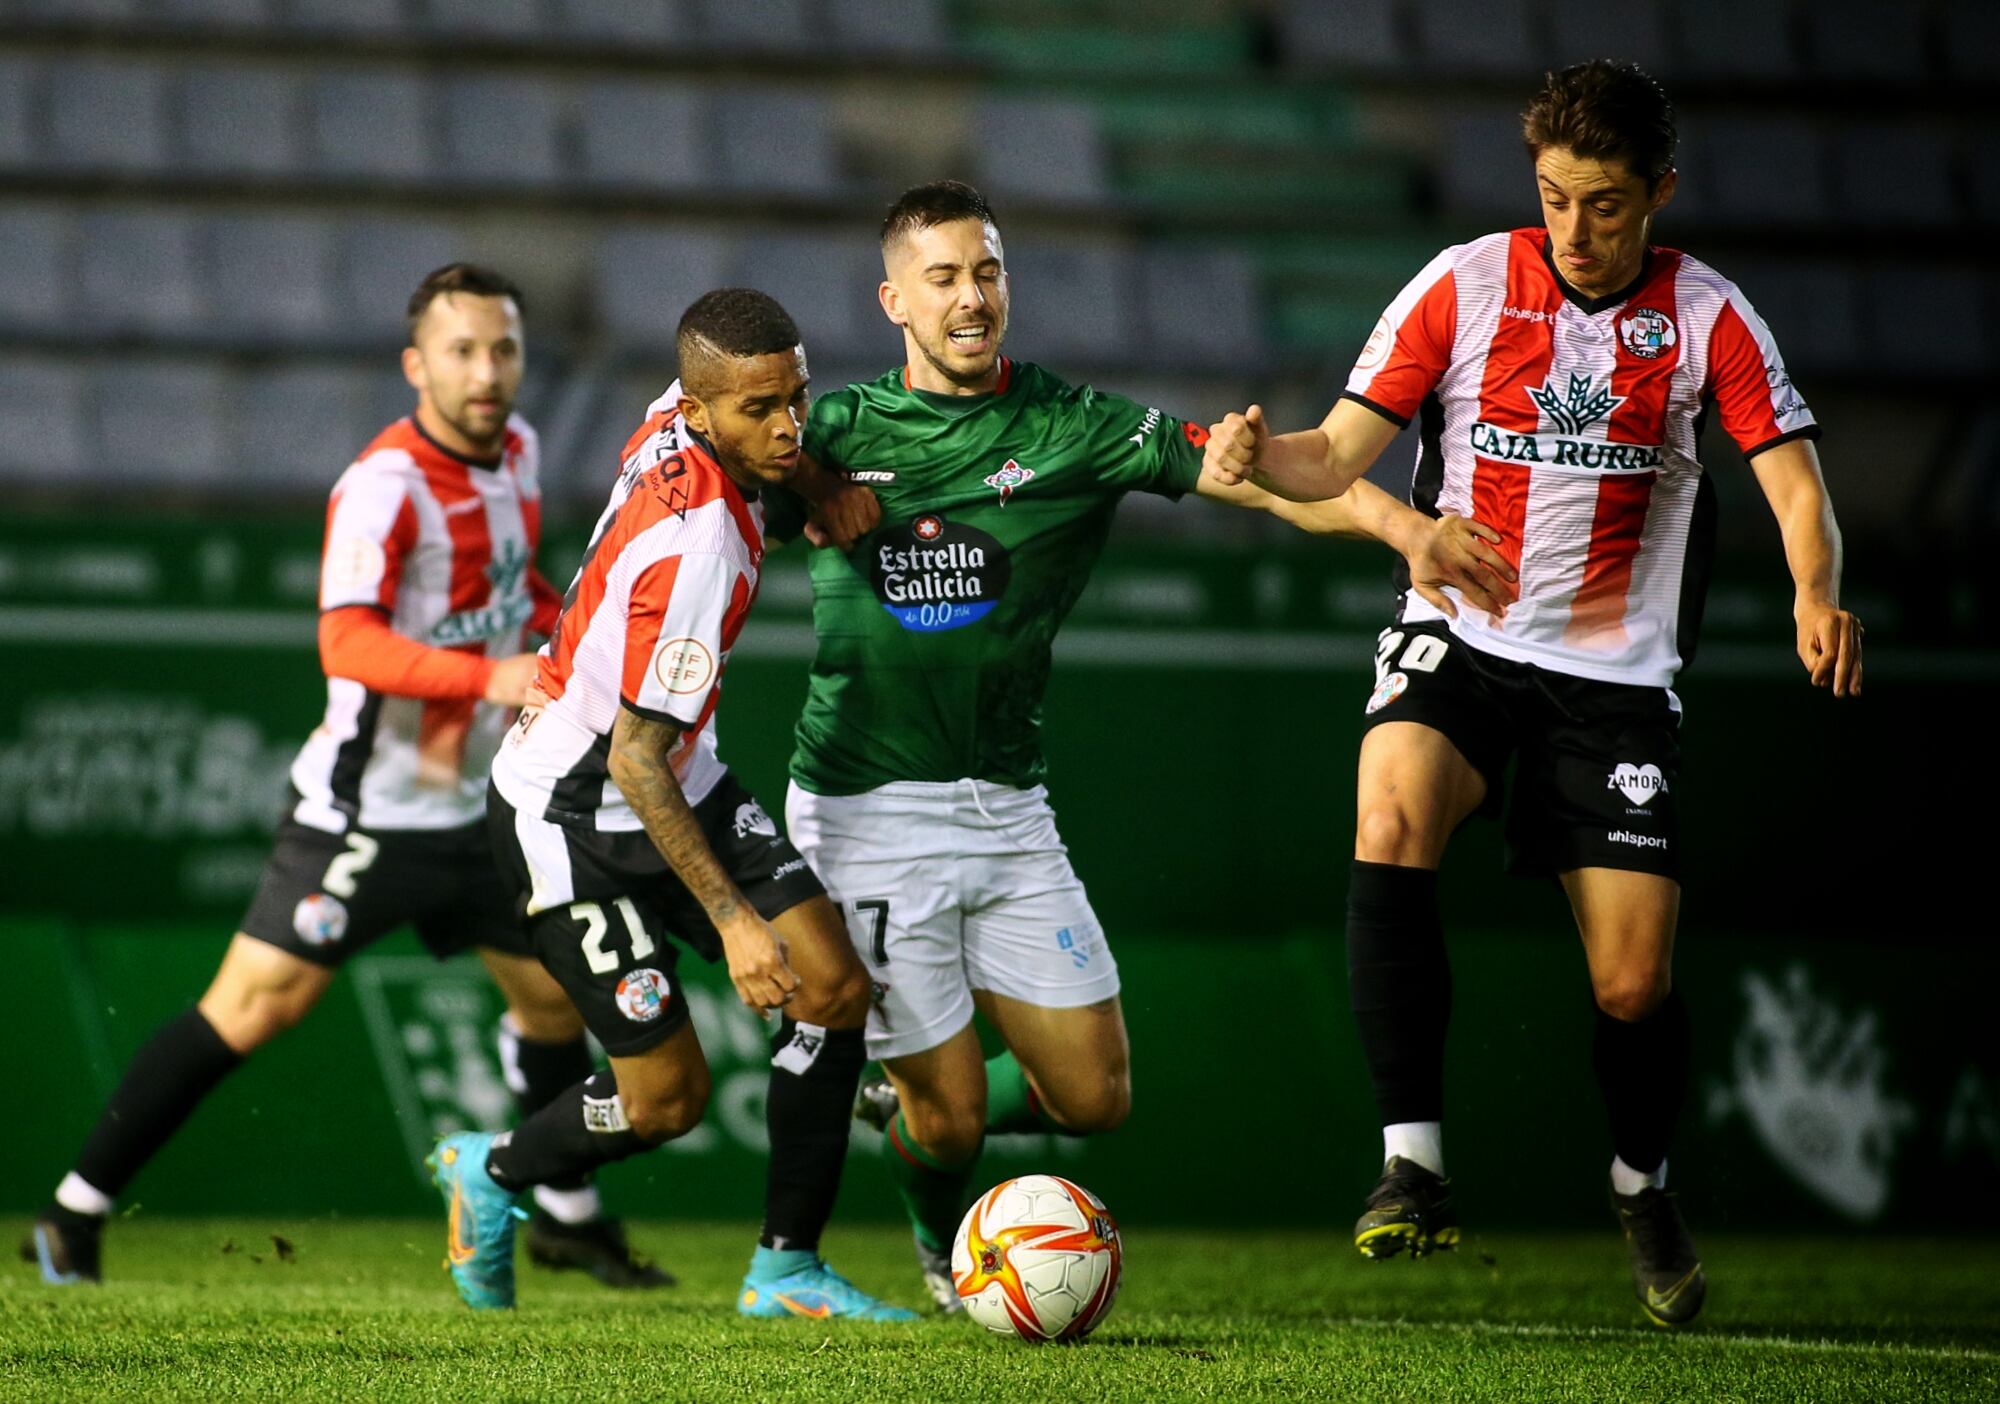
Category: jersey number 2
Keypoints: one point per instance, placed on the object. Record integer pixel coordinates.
(596, 926)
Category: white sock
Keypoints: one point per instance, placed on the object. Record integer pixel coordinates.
(80, 1196)
(1421, 1141)
(1626, 1180)
(577, 1206)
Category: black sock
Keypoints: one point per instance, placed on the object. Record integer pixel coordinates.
(1399, 984)
(177, 1067)
(538, 1073)
(814, 1072)
(1642, 1069)
(583, 1128)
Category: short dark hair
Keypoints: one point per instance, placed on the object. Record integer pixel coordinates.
(456, 278)
(1603, 111)
(925, 206)
(727, 324)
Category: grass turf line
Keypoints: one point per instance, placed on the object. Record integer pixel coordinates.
(200, 1308)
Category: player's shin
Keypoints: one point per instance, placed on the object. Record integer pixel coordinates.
(1399, 985)
(814, 1072)
(537, 1074)
(583, 1128)
(935, 1192)
(1642, 1069)
(168, 1078)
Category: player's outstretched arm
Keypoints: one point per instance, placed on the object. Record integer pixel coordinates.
(1445, 550)
(1307, 466)
(842, 511)
(357, 642)
(1829, 637)
(639, 767)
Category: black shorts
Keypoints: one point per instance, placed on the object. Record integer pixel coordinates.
(606, 938)
(325, 897)
(1596, 763)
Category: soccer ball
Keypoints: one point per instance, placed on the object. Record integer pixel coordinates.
(1039, 1258)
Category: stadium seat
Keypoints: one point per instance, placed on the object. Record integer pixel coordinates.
(239, 120)
(767, 26)
(298, 426)
(1476, 36)
(1936, 324)
(1071, 300)
(376, 16)
(647, 277)
(1721, 39)
(1971, 33)
(1847, 39)
(1811, 308)
(645, 134)
(483, 18)
(379, 263)
(501, 131)
(42, 405)
(1338, 34)
(139, 273)
(1894, 175)
(827, 282)
(36, 242)
(1742, 153)
(626, 21)
(1486, 170)
(20, 82)
(1040, 150)
(105, 115)
(1635, 31)
(272, 276)
(1200, 308)
(163, 422)
(777, 141)
(888, 26)
(376, 124)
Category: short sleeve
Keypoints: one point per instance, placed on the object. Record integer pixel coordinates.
(371, 525)
(1410, 349)
(1137, 448)
(1753, 393)
(673, 635)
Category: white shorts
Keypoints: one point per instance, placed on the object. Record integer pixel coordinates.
(949, 888)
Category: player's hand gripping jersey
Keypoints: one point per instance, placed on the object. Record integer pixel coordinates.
(439, 547)
(1569, 424)
(648, 624)
(934, 631)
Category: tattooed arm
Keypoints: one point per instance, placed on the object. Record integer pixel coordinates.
(638, 765)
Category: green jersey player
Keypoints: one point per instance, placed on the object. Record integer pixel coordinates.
(916, 784)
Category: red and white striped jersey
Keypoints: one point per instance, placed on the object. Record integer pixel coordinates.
(443, 546)
(1569, 424)
(647, 624)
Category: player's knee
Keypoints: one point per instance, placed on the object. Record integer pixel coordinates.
(658, 1115)
(1631, 995)
(1383, 834)
(1100, 1106)
(247, 1014)
(845, 1004)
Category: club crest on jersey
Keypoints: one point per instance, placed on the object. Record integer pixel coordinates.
(643, 994)
(1581, 404)
(1010, 476)
(1648, 334)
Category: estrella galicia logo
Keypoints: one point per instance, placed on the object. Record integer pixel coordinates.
(933, 575)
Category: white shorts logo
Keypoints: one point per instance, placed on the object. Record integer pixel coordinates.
(354, 563)
(1387, 691)
(643, 994)
(751, 819)
(1639, 783)
(684, 666)
(320, 920)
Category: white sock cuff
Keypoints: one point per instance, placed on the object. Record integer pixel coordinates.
(80, 1196)
(1421, 1141)
(577, 1206)
(1626, 1180)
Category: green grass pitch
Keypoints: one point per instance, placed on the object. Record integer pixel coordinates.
(210, 1309)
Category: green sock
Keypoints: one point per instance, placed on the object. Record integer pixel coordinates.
(935, 1194)
(1011, 1103)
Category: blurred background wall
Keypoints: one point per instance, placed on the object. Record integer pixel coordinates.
(212, 211)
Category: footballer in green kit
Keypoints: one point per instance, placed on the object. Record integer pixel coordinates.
(916, 784)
